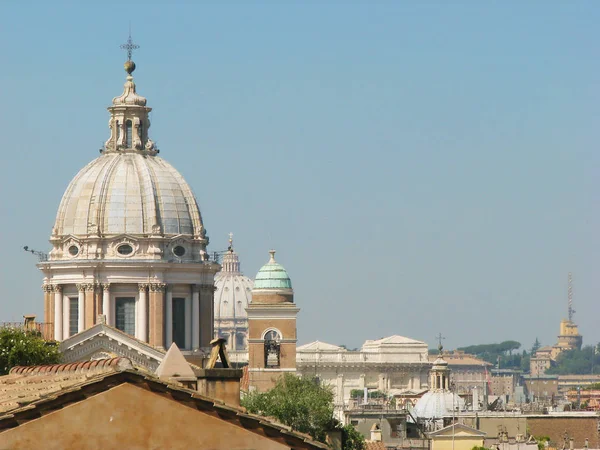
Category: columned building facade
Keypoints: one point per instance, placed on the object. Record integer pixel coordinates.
(129, 244)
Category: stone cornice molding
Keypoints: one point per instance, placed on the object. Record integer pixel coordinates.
(158, 287)
(207, 287)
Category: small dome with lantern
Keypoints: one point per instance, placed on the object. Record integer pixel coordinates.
(233, 294)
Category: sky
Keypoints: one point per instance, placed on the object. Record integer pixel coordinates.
(421, 167)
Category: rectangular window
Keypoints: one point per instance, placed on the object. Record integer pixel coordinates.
(73, 315)
(179, 322)
(125, 314)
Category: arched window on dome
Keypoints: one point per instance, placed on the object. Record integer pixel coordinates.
(141, 132)
(128, 133)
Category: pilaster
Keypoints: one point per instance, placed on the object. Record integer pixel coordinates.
(195, 317)
(207, 292)
(81, 307)
(157, 308)
(58, 312)
(90, 306)
(48, 303)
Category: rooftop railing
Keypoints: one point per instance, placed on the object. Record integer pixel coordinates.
(45, 329)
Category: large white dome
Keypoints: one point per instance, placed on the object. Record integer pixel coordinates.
(128, 193)
(233, 294)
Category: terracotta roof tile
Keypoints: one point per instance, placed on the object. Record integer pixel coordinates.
(374, 445)
(26, 384)
(27, 388)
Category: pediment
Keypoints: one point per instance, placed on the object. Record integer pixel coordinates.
(458, 430)
(102, 341)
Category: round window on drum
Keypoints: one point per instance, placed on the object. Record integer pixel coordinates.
(125, 249)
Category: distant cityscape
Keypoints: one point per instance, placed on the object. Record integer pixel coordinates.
(148, 321)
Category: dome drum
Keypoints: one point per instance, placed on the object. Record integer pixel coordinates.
(177, 250)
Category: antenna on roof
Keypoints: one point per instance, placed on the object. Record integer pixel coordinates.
(41, 255)
(570, 296)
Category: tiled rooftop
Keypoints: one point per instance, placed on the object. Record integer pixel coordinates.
(24, 385)
(27, 393)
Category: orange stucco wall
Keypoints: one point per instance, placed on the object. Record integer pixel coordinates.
(129, 417)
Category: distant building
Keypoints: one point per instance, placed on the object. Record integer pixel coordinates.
(468, 373)
(504, 382)
(588, 399)
(456, 437)
(541, 388)
(439, 401)
(392, 366)
(568, 339)
(233, 294)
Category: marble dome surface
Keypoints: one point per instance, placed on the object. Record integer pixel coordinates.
(128, 193)
(438, 403)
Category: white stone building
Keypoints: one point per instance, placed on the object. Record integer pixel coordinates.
(129, 242)
(390, 365)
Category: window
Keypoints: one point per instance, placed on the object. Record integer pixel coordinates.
(125, 249)
(239, 341)
(73, 250)
(179, 322)
(179, 251)
(73, 315)
(125, 314)
(128, 136)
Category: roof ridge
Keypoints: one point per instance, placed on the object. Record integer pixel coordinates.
(118, 364)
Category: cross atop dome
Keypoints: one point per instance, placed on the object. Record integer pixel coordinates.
(129, 46)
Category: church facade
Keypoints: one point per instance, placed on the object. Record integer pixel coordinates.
(129, 242)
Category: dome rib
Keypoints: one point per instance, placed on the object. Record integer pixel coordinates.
(128, 193)
(107, 168)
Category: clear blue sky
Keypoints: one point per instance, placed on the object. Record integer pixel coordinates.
(421, 167)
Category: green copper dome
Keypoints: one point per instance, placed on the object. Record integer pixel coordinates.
(272, 276)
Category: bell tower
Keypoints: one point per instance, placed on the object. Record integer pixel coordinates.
(271, 326)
